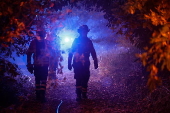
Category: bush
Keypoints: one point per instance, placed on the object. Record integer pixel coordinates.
(13, 85)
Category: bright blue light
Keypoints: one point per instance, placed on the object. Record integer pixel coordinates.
(66, 38)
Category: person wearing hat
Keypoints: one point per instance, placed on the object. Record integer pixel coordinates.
(82, 48)
(39, 49)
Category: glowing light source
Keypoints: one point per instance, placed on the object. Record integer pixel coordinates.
(66, 42)
(67, 39)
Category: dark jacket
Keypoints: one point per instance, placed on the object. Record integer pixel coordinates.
(41, 52)
(81, 49)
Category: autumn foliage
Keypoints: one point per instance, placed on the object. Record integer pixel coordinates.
(155, 17)
(144, 22)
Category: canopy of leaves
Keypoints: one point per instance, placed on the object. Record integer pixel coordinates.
(20, 18)
(154, 16)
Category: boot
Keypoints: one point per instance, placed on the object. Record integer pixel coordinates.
(78, 92)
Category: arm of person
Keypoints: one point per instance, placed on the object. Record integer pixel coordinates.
(94, 56)
(29, 53)
(70, 55)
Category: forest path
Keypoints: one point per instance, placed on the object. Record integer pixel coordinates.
(103, 98)
(109, 93)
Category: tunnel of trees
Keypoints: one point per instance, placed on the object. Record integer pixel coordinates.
(143, 23)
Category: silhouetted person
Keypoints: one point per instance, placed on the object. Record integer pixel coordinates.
(39, 49)
(81, 49)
